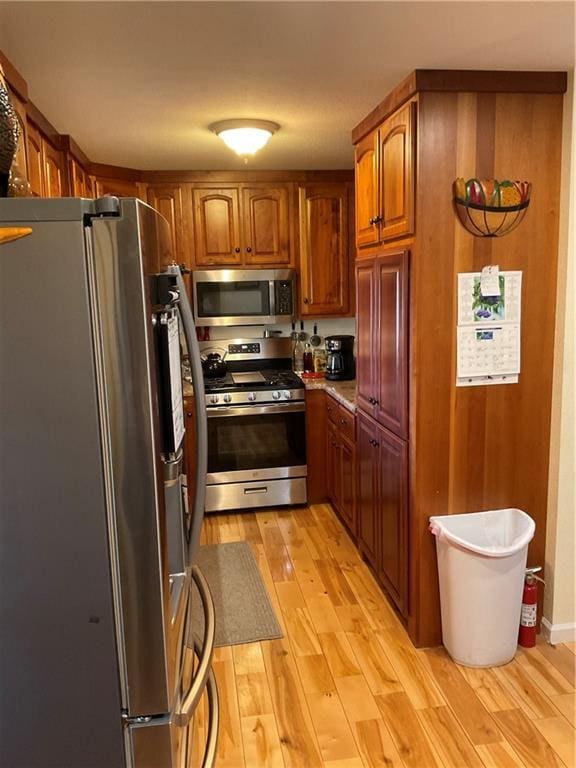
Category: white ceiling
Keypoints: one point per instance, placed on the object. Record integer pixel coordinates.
(136, 84)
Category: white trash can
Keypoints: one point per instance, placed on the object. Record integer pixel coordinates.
(481, 564)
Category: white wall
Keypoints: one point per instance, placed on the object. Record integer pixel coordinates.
(326, 327)
(560, 593)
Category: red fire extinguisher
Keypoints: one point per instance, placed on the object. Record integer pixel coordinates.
(527, 634)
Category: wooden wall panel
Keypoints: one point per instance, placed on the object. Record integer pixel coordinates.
(480, 447)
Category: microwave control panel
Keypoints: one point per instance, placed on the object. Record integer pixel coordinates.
(284, 298)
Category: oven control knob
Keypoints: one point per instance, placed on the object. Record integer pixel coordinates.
(276, 395)
(227, 398)
(251, 396)
(287, 394)
(214, 398)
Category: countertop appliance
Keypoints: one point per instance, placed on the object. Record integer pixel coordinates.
(244, 296)
(340, 363)
(98, 545)
(256, 427)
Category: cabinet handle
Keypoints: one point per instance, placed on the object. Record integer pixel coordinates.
(236, 250)
(371, 400)
(305, 301)
(375, 443)
(377, 219)
(189, 415)
(248, 250)
(342, 421)
(372, 220)
(184, 269)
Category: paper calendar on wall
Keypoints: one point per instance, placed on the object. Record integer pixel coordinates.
(488, 332)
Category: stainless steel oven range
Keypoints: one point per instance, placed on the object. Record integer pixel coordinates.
(256, 426)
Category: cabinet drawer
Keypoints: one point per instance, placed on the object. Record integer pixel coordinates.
(346, 422)
(333, 410)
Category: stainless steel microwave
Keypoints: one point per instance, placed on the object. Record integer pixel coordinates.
(244, 296)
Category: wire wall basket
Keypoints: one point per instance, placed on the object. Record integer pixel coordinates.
(491, 208)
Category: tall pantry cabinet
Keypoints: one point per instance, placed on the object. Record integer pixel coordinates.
(426, 447)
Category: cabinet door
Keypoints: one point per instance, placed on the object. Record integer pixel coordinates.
(35, 166)
(366, 176)
(216, 227)
(393, 534)
(116, 187)
(266, 225)
(392, 342)
(52, 169)
(396, 152)
(367, 501)
(316, 445)
(333, 464)
(80, 185)
(324, 250)
(366, 362)
(348, 484)
(167, 200)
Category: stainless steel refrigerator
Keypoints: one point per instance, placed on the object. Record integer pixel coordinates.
(97, 542)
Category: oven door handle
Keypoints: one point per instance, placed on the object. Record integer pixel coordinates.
(222, 411)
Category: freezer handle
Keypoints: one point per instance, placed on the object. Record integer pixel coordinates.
(201, 457)
(213, 722)
(183, 717)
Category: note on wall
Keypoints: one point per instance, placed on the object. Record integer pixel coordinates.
(488, 333)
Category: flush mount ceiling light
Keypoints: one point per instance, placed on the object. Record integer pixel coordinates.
(245, 137)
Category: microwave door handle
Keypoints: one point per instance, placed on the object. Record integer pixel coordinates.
(272, 289)
(201, 462)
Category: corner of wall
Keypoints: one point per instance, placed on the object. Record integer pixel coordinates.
(559, 623)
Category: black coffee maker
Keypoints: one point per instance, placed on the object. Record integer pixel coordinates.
(340, 364)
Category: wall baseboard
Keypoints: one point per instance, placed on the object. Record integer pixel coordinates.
(558, 633)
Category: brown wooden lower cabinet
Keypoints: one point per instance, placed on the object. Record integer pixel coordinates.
(341, 462)
(315, 445)
(382, 506)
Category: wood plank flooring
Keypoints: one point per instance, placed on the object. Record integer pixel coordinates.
(345, 688)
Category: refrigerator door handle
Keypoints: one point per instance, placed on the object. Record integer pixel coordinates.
(213, 722)
(186, 712)
(201, 462)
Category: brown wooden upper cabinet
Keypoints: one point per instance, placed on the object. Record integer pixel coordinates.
(52, 165)
(35, 167)
(382, 339)
(117, 187)
(324, 250)
(241, 225)
(79, 179)
(385, 179)
(44, 165)
(167, 199)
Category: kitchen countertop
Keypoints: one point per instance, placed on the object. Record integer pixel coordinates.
(342, 391)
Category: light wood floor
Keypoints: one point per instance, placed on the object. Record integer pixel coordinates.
(345, 688)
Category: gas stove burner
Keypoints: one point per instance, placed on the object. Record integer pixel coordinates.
(282, 379)
(254, 381)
